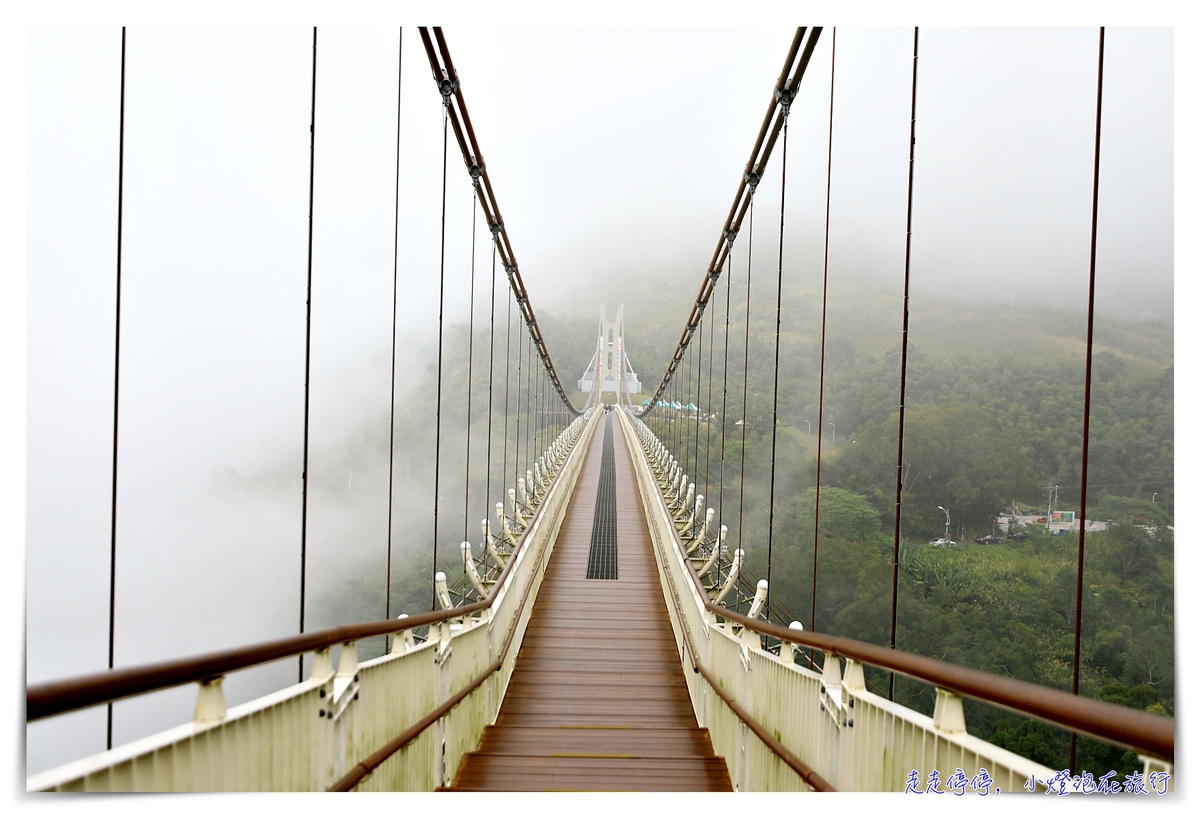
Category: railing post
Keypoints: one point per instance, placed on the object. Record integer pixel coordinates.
(853, 679)
(948, 712)
(210, 700)
(403, 643)
(322, 666)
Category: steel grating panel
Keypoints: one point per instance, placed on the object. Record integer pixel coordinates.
(602, 558)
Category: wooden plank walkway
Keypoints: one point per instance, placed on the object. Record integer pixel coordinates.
(597, 699)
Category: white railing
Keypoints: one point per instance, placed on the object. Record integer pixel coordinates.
(308, 736)
(851, 738)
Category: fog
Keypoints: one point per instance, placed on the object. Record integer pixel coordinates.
(613, 152)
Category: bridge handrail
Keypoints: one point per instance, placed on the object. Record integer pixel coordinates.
(65, 695)
(1137, 729)
(810, 776)
(365, 767)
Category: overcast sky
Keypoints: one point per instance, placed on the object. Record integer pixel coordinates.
(609, 149)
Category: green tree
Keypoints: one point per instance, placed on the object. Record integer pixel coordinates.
(955, 455)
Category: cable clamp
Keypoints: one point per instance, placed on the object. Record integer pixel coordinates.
(730, 235)
(496, 227)
(752, 179)
(476, 169)
(511, 269)
(447, 87)
(784, 97)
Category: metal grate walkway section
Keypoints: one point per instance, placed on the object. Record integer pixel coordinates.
(597, 699)
(602, 557)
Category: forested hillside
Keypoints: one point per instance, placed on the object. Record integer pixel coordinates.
(994, 416)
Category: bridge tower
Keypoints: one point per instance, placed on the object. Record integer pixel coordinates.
(610, 359)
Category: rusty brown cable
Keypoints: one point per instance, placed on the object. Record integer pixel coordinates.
(697, 401)
(812, 625)
(687, 426)
(517, 409)
(725, 386)
(529, 386)
(448, 84)
(470, 374)
(312, 164)
(112, 559)
(912, 144)
(507, 381)
(387, 593)
(487, 486)
(785, 89)
(745, 383)
(1087, 386)
(775, 383)
(437, 445)
(712, 334)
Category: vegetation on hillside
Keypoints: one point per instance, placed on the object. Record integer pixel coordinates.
(993, 416)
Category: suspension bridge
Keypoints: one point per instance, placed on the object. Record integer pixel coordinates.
(604, 633)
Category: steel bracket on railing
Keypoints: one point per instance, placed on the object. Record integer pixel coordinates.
(832, 698)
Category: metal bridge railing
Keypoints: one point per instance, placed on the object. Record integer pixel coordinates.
(782, 726)
(402, 721)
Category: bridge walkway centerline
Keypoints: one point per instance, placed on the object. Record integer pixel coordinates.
(597, 699)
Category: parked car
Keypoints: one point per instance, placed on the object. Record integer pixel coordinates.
(942, 542)
(1018, 536)
(988, 539)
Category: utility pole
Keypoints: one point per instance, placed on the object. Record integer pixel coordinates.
(1051, 501)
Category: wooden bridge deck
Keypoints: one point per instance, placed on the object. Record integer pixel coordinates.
(597, 699)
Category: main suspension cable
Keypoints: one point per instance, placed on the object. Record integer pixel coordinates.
(447, 81)
(784, 92)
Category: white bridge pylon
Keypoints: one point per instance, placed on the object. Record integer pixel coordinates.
(610, 359)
